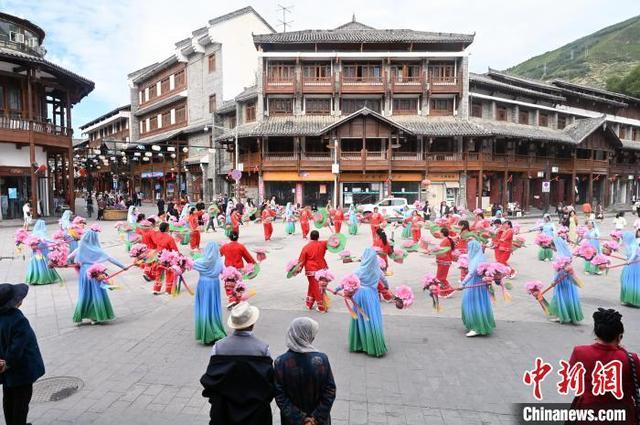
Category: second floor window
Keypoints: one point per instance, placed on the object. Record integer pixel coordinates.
(501, 113)
(405, 106)
(212, 104)
(562, 122)
(352, 105)
(212, 62)
(166, 119)
(476, 110)
(317, 72)
(362, 73)
(250, 113)
(441, 107)
(153, 123)
(442, 73)
(280, 106)
(623, 133)
(280, 72)
(164, 86)
(180, 79)
(317, 106)
(406, 73)
(181, 114)
(523, 117)
(543, 120)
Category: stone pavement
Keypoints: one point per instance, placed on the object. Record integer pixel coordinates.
(144, 367)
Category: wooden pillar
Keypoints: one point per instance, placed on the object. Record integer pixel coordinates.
(505, 192)
(590, 189)
(72, 193)
(607, 191)
(527, 193)
(34, 179)
(479, 200)
(572, 196)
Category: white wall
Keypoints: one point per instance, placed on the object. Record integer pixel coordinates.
(239, 54)
(12, 157)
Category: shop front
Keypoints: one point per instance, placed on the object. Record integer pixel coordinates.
(367, 188)
(14, 191)
(313, 188)
(443, 187)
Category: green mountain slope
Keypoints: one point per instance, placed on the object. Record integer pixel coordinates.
(592, 60)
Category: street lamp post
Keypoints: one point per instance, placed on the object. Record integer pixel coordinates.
(236, 154)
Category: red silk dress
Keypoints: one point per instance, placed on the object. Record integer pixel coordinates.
(267, 217)
(338, 218)
(443, 261)
(312, 259)
(235, 254)
(305, 216)
(376, 221)
(164, 241)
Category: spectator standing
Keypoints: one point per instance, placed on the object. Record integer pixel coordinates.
(305, 389)
(608, 328)
(160, 205)
(89, 204)
(26, 214)
(619, 221)
(20, 359)
(102, 205)
(239, 379)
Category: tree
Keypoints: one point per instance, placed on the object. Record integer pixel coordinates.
(629, 84)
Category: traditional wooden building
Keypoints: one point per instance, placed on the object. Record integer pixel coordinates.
(355, 113)
(36, 98)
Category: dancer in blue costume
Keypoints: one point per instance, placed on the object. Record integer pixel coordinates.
(353, 220)
(38, 271)
(630, 277)
(565, 306)
(132, 218)
(549, 229)
(367, 334)
(592, 235)
(289, 220)
(406, 229)
(477, 311)
(208, 305)
(93, 299)
(65, 225)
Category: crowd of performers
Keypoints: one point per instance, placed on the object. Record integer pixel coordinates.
(461, 240)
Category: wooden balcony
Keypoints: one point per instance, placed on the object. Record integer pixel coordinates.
(444, 161)
(315, 160)
(317, 85)
(18, 130)
(250, 161)
(279, 85)
(362, 84)
(445, 85)
(407, 84)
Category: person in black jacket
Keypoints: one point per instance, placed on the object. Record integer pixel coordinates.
(20, 359)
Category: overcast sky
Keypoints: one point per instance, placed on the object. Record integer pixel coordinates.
(104, 40)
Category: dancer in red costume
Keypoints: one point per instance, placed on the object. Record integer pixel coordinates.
(338, 218)
(416, 225)
(305, 216)
(146, 229)
(504, 244)
(163, 240)
(236, 220)
(235, 254)
(376, 220)
(194, 226)
(444, 261)
(267, 217)
(384, 249)
(312, 259)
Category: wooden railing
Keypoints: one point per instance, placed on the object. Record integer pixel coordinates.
(280, 156)
(316, 156)
(402, 84)
(443, 156)
(12, 123)
(406, 155)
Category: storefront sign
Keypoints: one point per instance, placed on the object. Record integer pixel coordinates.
(151, 174)
(546, 187)
(380, 177)
(292, 176)
(323, 189)
(444, 177)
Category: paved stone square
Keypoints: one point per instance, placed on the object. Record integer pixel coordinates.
(144, 367)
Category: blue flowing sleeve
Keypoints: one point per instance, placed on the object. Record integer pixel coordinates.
(116, 262)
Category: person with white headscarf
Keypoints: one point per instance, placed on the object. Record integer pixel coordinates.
(304, 386)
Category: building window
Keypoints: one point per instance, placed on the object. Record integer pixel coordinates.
(405, 106)
(280, 72)
(280, 106)
(153, 93)
(166, 119)
(164, 85)
(501, 113)
(232, 120)
(562, 122)
(316, 72)
(406, 73)
(249, 113)
(476, 110)
(442, 73)
(370, 73)
(153, 123)
(523, 117)
(623, 132)
(352, 105)
(212, 63)
(317, 106)
(212, 104)
(180, 79)
(15, 101)
(441, 107)
(634, 134)
(181, 114)
(543, 120)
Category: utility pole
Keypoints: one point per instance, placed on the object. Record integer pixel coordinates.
(283, 21)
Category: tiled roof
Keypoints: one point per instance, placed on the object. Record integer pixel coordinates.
(584, 127)
(247, 93)
(107, 115)
(484, 80)
(194, 128)
(522, 131)
(359, 33)
(86, 85)
(440, 126)
(595, 98)
(499, 75)
(227, 106)
(142, 74)
(629, 144)
(579, 87)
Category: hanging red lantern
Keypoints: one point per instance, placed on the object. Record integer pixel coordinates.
(426, 182)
